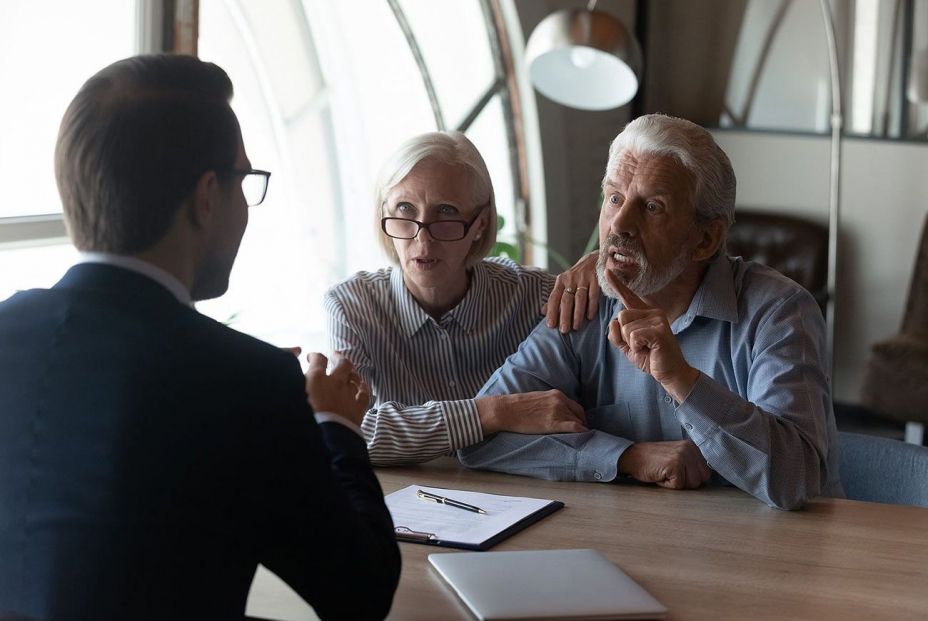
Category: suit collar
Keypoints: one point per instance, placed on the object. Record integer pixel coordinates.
(121, 282)
(159, 275)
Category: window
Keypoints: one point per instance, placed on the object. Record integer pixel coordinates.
(34, 250)
(324, 92)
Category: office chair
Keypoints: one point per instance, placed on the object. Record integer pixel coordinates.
(795, 247)
(882, 470)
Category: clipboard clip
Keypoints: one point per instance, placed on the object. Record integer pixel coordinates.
(407, 534)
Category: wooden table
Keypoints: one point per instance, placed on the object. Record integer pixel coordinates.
(705, 554)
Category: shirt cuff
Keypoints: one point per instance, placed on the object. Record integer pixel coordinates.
(598, 459)
(463, 423)
(329, 417)
(705, 408)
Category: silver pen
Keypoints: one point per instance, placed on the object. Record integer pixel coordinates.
(423, 495)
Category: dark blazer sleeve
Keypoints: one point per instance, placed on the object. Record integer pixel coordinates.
(323, 524)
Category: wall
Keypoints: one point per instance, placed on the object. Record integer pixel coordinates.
(884, 200)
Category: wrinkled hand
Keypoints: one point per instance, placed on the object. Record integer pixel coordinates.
(547, 411)
(643, 334)
(675, 465)
(342, 391)
(566, 310)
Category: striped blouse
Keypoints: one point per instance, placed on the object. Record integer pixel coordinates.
(424, 373)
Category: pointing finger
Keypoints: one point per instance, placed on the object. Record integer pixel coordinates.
(629, 298)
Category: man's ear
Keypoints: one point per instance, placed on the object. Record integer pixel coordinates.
(205, 199)
(711, 235)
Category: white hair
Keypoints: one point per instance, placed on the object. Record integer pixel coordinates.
(692, 146)
(451, 148)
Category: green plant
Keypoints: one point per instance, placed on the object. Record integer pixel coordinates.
(510, 248)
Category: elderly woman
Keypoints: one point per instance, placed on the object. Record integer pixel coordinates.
(426, 336)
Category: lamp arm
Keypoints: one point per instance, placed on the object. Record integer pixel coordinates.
(834, 192)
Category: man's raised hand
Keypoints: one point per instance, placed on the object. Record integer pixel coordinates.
(642, 332)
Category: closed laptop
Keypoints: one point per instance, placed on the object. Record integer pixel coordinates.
(545, 584)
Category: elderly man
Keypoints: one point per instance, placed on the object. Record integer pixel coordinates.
(151, 457)
(698, 362)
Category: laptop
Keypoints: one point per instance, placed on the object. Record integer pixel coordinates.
(570, 585)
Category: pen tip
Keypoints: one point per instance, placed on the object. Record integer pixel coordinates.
(481, 511)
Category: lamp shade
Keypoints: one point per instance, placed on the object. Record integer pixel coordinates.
(584, 59)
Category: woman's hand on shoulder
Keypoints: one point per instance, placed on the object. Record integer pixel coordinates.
(575, 296)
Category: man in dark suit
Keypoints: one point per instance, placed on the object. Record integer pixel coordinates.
(151, 457)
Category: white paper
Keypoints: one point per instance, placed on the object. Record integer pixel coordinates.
(452, 524)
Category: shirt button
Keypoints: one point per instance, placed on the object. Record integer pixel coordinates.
(668, 399)
(598, 476)
(452, 383)
(688, 426)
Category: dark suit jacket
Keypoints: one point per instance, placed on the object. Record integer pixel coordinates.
(150, 457)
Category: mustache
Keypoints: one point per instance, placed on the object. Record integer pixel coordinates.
(629, 246)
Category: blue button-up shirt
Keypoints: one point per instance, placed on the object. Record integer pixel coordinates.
(760, 412)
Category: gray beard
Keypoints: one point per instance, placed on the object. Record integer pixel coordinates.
(650, 279)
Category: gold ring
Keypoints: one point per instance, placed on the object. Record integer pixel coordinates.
(581, 287)
(570, 290)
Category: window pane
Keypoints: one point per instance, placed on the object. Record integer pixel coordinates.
(792, 91)
(283, 265)
(488, 133)
(378, 99)
(460, 61)
(32, 267)
(325, 91)
(49, 49)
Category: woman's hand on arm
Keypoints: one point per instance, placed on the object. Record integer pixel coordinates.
(575, 296)
(548, 411)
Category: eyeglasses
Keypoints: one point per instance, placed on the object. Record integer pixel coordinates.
(440, 230)
(254, 185)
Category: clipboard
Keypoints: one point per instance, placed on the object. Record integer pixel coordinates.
(433, 524)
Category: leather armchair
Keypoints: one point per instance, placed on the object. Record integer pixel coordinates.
(896, 379)
(795, 247)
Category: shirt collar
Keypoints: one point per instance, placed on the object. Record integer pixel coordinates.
(162, 277)
(411, 315)
(466, 313)
(715, 298)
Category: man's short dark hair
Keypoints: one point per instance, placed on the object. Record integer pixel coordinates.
(134, 142)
